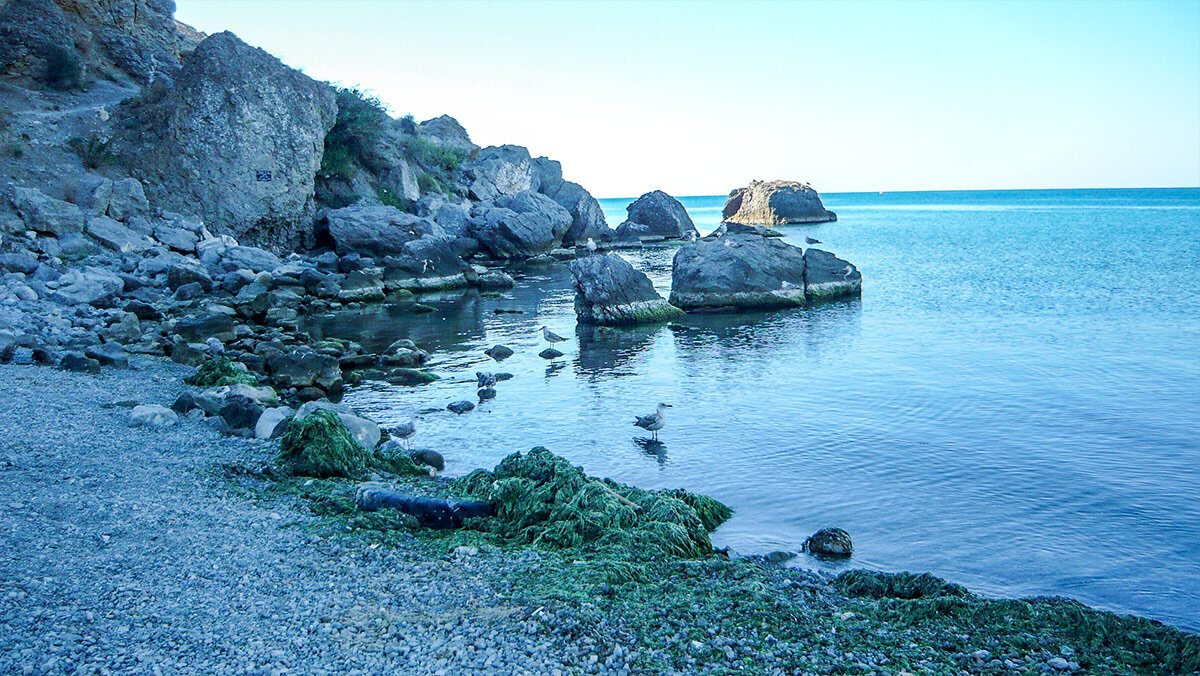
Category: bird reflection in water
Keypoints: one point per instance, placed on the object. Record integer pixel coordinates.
(555, 367)
(652, 448)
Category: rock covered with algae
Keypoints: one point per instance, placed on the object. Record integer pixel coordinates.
(221, 371)
(609, 291)
(542, 499)
(320, 445)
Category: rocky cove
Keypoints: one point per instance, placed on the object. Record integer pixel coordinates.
(178, 211)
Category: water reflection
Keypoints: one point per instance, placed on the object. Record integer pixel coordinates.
(457, 316)
(608, 352)
(653, 448)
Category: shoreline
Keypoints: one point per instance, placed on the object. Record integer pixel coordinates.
(171, 515)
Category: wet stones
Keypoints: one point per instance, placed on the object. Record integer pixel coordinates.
(609, 291)
(833, 543)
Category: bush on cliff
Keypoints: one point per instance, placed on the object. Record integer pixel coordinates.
(355, 135)
(220, 371)
(542, 499)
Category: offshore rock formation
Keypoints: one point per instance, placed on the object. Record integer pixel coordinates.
(609, 291)
(240, 138)
(656, 214)
(740, 268)
(775, 203)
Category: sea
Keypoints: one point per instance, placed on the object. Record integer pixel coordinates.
(1013, 404)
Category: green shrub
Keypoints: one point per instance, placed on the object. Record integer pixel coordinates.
(220, 371)
(95, 151)
(408, 124)
(64, 70)
(355, 134)
(434, 155)
(391, 199)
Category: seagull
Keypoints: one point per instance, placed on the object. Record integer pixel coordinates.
(551, 337)
(403, 431)
(653, 422)
(485, 379)
(591, 245)
(811, 240)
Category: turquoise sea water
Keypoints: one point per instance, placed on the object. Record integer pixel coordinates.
(1013, 404)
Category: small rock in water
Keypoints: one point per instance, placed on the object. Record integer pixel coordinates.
(429, 458)
(550, 353)
(776, 558)
(499, 352)
(486, 393)
(461, 407)
(501, 377)
(831, 542)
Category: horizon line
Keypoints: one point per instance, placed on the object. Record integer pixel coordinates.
(889, 192)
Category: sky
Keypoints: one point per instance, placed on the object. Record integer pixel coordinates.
(698, 98)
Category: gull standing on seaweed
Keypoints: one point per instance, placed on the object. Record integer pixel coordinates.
(655, 421)
(404, 431)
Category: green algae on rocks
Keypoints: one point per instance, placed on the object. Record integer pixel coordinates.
(321, 446)
(221, 371)
(541, 499)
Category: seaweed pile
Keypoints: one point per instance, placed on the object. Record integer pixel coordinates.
(320, 445)
(543, 500)
(220, 371)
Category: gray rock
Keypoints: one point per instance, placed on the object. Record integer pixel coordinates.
(47, 214)
(303, 368)
(240, 137)
(738, 269)
(248, 258)
(88, 285)
(550, 353)
(775, 203)
(113, 235)
(446, 131)
(362, 285)
(240, 412)
(197, 328)
(179, 239)
(108, 354)
(499, 170)
(657, 214)
(364, 431)
(587, 218)
(609, 291)
(427, 263)
(188, 272)
(73, 361)
(499, 352)
(830, 542)
(521, 226)
(272, 423)
(127, 199)
(547, 176)
(21, 261)
(827, 277)
(152, 415)
(460, 407)
(371, 230)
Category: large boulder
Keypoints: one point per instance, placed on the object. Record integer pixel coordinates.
(500, 170)
(827, 277)
(520, 226)
(741, 268)
(446, 131)
(305, 368)
(775, 203)
(88, 285)
(609, 291)
(658, 215)
(425, 264)
(587, 218)
(371, 230)
(240, 138)
(117, 237)
(47, 214)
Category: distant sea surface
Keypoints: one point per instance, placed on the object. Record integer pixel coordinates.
(1013, 404)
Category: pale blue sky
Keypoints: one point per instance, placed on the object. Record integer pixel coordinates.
(699, 98)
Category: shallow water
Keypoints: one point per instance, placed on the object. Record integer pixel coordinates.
(1014, 403)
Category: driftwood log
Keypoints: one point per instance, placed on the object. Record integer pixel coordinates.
(430, 512)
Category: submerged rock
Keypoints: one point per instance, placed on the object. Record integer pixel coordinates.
(775, 203)
(656, 214)
(609, 291)
(830, 542)
(499, 352)
(460, 407)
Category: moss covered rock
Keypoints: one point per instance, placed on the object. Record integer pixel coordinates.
(321, 445)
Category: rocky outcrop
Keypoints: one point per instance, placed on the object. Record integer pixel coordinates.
(499, 170)
(239, 138)
(775, 203)
(609, 291)
(523, 225)
(66, 42)
(656, 215)
(371, 230)
(740, 268)
(587, 218)
(446, 131)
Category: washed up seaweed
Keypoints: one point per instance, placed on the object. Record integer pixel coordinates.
(220, 371)
(543, 500)
(320, 445)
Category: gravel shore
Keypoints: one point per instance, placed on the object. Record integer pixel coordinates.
(125, 552)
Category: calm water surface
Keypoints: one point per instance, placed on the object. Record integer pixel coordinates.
(1014, 403)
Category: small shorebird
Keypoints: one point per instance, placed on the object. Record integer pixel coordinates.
(551, 337)
(403, 431)
(591, 245)
(810, 240)
(653, 422)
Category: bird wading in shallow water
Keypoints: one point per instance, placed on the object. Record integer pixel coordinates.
(551, 337)
(654, 422)
(404, 432)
